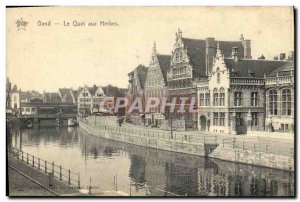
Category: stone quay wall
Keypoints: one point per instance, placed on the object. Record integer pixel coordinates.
(181, 143)
(253, 157)
(156, 140)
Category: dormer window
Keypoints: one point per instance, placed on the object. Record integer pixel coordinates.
(234, 73)
(251, 73)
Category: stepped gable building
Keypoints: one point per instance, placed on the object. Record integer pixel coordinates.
(156, 85)
(232, 100)
(280, 99)
(89, 99)
(136, 88)
(191, 62)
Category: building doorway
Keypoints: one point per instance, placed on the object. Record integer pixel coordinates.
(202, 123)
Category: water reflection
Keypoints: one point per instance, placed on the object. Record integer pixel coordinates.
(148, 170)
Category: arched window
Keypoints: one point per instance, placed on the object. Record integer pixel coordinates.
(215, 96)
(286, 102)
(222, 97)
(273, 102)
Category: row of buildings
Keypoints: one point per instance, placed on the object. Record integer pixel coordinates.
(87, 99)
(235, 93)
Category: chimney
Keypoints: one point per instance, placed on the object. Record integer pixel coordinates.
(282, 56)
(242, 37)
(234, 53)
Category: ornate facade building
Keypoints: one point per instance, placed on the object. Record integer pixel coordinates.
(280, 99)
(136, 89)
(156, 86)
(191, 62)
(232, 100)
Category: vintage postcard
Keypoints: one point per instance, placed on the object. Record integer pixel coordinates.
(150, 101)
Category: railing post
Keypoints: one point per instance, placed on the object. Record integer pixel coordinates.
(146, 190)
(45, 166)
(18, 154)
(52, 167)
(32, 161)
(27, 158)
(90, 187)
(116, 182)
(233, 143)
(69, 181)
(78, 180)
(129, 189)
(39, 165)
(22, 156)
(60, 174)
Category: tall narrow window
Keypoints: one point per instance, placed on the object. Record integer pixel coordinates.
(222, 119)
(218, 75)
(207, 100)
(273, 102)
(238, 99)
(286, 102)
(239, 119)
(215, 119)
(202, 101)
(254, 121)
(216, 97)
(222, 97)
(254, 99)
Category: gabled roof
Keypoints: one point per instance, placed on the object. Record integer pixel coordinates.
(52, 97)
(141, 72)
(196, 50)
(93, 89)
(75, 93)
(25, 95)
(64, 91)
(113, 91)
(226, 48)
(164, 63)
(196, 54)
(284, 70)
(243, 67)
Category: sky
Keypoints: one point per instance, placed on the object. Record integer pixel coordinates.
(56, 56)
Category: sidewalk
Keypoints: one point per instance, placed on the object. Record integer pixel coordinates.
(40, 177)
(112, 121)
(19, 185)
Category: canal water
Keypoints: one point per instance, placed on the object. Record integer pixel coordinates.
(144, 171)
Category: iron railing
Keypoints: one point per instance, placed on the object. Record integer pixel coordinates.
(46, 166)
